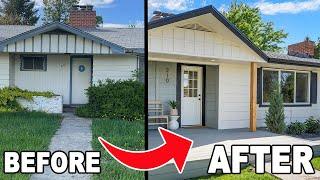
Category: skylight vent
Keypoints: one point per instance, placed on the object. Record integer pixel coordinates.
(195, 27)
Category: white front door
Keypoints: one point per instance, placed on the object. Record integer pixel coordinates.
(191, 95)
(81, 79)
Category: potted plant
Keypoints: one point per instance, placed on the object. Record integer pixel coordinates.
(173, 124)
(173, 106)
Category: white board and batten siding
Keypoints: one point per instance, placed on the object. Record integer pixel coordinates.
(58, 43)
(234, 96)
(162, 86)
(179, 41)
(113, 67)
(56, 79)
(4, 70)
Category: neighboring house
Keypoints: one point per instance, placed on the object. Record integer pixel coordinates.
(219, 78)
(67, 59)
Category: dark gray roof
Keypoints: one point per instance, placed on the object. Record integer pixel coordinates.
(287, 59)
(128, 38)
(8, 31)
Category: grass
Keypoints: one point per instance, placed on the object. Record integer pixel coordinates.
(124, 134)
(246, 174)
(316, 163)
(25, 131)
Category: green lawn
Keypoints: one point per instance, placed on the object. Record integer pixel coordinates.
(124, 134)
(25, 131)
(316, 163)
(246, 174)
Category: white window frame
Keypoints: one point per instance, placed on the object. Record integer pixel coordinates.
(295, 82)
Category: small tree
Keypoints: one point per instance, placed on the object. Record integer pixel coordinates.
(18, 12)
(99, 21)
(57, 10)
(317, 50)
(275, 115)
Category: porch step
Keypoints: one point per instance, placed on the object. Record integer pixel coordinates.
(69, 109)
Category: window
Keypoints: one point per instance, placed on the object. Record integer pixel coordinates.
(287, 86)
(270, 81)
(302, 87)
(33, 63)
(190, 83)
(294, 85)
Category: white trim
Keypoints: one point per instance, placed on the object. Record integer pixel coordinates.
(295, 82)
(199, 69)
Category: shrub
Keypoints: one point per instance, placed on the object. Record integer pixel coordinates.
(9, 96)
(275, 115)
(296, 128)
(312, 125)
(111, 99)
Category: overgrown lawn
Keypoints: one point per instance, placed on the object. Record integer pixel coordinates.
(124, 134)
(25, 131)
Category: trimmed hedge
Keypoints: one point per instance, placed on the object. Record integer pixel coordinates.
(123, 99)
(296, 128)
(312, 125)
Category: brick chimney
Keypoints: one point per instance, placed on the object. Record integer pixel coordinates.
(82, 16)
(302, 49)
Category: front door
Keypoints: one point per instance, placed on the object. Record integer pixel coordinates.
(191, 95)
(81, 79)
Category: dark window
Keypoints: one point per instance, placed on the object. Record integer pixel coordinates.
(270, 82)
(287, 86)
(293, 85)
(302, 87)
(33, 63)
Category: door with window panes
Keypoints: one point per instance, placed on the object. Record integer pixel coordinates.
(191, 95)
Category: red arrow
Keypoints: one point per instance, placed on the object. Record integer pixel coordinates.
(175, 147)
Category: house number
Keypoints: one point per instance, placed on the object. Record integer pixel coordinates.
(82, 68)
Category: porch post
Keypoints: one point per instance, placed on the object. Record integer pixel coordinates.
(253, 97)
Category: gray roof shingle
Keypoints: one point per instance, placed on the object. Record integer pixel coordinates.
(129, 38)
(8, 31)
(284, 58)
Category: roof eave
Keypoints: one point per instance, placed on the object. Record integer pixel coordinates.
(116, 49)
(215, 13)
(295, 63)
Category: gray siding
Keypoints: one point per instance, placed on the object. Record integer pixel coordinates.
(212, 88)
(162, 84)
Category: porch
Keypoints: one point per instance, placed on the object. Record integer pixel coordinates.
(203, 141)
(214, 93)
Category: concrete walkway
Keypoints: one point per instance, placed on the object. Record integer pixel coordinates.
(74, 134)
(204, 140)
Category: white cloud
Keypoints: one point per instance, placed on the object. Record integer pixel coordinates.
(172, 5)
(39, 3)
(96, 2)
(292, 7)
(138, 24)
(223, 8)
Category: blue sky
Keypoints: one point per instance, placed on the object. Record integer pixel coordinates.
(115, 13)
(299, 18)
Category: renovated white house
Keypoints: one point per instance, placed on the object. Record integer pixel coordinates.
(67, 58)
(219, 78)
